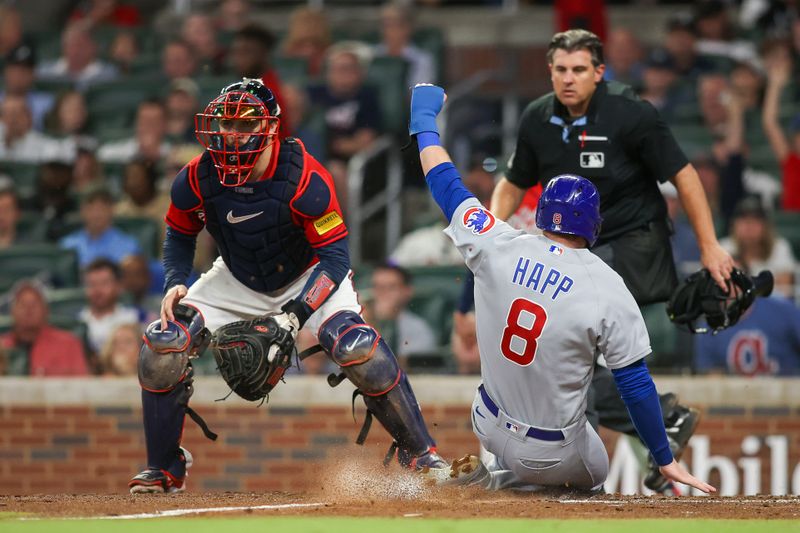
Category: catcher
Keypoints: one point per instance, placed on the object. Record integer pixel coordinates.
(283, 265)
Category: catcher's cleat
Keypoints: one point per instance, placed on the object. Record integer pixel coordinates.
(681, 425)
(155, 480)
(428, 460)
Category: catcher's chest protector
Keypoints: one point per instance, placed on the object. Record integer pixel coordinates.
(252, 224)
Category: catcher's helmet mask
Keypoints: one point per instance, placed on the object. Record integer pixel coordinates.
(237, 126)
(570, 205)
(699, 296)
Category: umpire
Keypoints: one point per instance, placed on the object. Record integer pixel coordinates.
(604, 132)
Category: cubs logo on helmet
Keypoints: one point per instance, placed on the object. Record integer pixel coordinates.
(478, 219)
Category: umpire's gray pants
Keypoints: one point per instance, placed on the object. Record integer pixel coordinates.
(526, 463)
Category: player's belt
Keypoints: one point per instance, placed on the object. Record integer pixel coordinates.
(536, 433)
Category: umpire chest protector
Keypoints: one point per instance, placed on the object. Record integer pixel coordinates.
(252, 224)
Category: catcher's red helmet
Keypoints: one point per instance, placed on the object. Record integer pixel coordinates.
(237, 126)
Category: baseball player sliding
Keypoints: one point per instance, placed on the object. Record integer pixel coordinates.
(546, 307)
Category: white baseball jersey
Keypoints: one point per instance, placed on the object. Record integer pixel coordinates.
(544, 312)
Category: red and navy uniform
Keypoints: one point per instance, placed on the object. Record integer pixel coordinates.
(268, 231)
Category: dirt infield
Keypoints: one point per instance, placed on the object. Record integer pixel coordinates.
(438, 503)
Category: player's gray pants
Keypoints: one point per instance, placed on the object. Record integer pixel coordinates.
(521, 462)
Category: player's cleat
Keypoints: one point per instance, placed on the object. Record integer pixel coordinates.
(155, 480)
(680, 425)
(463, 472)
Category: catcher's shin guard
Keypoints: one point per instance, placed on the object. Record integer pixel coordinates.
(164, 414)
(367, 361)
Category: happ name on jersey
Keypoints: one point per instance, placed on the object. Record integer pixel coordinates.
(536, 281)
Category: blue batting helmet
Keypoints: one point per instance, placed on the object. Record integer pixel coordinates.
(570, 204)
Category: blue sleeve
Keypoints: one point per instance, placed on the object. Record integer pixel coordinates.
(334, 258)
(641, 398)
(466, 300)
(178, 257)
(447, 189)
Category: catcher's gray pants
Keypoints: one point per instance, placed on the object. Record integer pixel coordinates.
(518, 461)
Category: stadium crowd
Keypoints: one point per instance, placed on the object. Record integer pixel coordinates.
(97, 118)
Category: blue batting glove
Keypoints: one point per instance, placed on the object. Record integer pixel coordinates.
(426, 102)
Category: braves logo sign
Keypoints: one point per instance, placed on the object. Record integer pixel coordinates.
(478, 220)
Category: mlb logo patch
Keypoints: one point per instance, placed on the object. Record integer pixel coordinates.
(556, 218)
(556, 250)
(593, 159)
(512, 427)
(478, 219)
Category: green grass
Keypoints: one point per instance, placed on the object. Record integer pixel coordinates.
(396, 525)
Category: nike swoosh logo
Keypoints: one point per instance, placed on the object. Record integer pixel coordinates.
(235, 220)
(349, 347)
(478, 412)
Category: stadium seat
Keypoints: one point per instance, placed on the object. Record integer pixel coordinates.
(692, 138)
(66, 302)
(432, 41)
(388, 76)
(662, 331)
(146, 230)
(48, 262)
(31, 228)
(292, 70)
(788, 226)
(24, 175)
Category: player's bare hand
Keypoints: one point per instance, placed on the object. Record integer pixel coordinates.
(719, 263)
(675, 472)
(172, 297)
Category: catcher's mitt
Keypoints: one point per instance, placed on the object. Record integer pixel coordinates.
(241, 348)
(700, 295)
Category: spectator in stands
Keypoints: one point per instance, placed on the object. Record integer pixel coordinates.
(36, 348)
(624, 55)
(139, 286)
(124, 51)
(10, 29)
(9, 213)
(295, 107)
(199, 31)
(104, 312)
(713, 94)
(149, 142)
(120, 353)
(397, 27)
(754, 244)
(20, 142)
(141, 195)
(87, 170)
(53, 198)
(181, 106)
(106, 13)
(658, 81)
(464, 343)
(233, 15)
(79, 62)
(785, 147)
(429, 246)
(98, 238)
(69, 118)
(251, 57)
(18, 77)
(747, 81)
(352, 113)
(308, 37)
(716, 35)
(405, 332)
(680, 43)
(765, 342)
(178, 60)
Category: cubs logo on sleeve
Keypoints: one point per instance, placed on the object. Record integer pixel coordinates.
(478, 219)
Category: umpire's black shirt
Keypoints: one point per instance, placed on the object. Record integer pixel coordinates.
(622, 145)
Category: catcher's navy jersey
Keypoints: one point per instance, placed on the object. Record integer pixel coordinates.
(544, 312)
